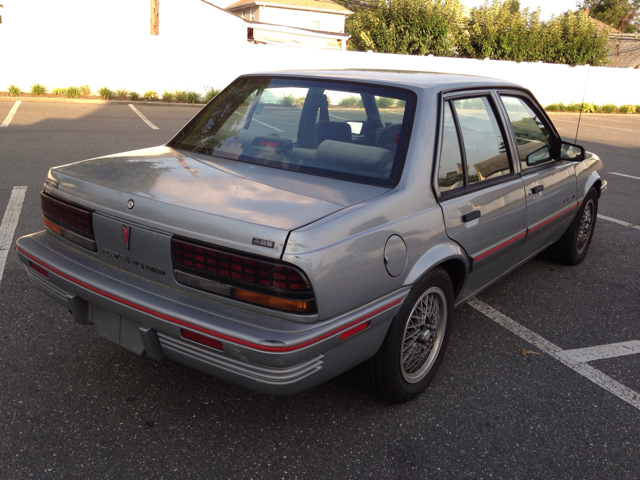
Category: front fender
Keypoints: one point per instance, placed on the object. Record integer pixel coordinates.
(587, 175)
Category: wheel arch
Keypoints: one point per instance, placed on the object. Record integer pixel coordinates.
(594, 181)
(450, 257)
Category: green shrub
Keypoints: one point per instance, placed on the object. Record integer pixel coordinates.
(150, 95)
(180, 96)
(627, 109)
(58, 91)
(192, 97)
(134, 96)
(499, 30)
(105, 93)
(299, 101)
(385, 102)
(609, 108)
(555, 107)
(122, 93)
(637, 107)
(14, 91)
(287, 100)
(210, 93)
(415, 27)
(85, 91)
(349, 102)
(72, 92)
(588, 108)
(37, 89)
(168, 96)
(573, 107)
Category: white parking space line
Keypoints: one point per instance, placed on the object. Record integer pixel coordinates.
(262, 123)
(612, 128)
(587, 371)
(12, 112)
(336, 116)
(607, 118)
(601, 352)
(9, 222)
(624, 175)
(144, 119)
(593, 125)
(619, 222)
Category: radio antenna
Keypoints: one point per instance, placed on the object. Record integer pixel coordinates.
(586, 82)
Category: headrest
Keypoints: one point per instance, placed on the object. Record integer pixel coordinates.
(338, 131)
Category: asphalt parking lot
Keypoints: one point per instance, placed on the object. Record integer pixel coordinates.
(541, 379)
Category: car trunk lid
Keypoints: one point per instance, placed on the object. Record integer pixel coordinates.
(236, 205)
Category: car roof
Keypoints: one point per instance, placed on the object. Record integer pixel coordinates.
(416, 80)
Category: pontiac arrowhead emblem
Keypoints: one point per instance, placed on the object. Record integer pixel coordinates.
(127, 235)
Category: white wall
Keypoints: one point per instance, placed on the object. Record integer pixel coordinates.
(108, 44)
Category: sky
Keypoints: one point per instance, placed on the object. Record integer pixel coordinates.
(547, 7)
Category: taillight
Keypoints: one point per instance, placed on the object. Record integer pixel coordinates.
(259, 281)
(67, 220)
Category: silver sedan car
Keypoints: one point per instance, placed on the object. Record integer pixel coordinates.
(307, 222)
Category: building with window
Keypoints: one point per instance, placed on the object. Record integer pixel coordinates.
(321, 15)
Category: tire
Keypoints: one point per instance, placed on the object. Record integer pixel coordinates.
(572, 247)
(397, 378)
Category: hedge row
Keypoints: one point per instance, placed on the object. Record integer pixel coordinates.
(591, 108)
(497, 30)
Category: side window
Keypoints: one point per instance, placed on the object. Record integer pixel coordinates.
(484, 147)
(450, 170)
(532, 137)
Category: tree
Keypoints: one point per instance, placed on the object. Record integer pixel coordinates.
(498, 30)
(501, 31)
(415, 27)
(621, 14)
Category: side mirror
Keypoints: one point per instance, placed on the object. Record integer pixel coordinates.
(569, 151)
(541, 155)
(356, 127)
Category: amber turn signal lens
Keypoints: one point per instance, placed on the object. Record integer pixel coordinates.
(52, 226)
(273, 302)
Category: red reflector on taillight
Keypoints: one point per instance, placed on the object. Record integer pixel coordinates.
(39, 269)
(196, 337)
(354, 330)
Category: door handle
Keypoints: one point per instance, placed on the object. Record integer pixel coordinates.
(536, 189)
(472, 215)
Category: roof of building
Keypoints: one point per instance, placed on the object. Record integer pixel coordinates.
(603, 26)
(320, 5)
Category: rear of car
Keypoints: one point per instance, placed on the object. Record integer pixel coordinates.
(179, 251)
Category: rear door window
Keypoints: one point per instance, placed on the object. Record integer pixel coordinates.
(484, 147)
(450, 174)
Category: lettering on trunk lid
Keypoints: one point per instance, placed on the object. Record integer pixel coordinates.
(144, 266)
(263, 243)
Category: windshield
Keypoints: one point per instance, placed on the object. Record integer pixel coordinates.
(339, 130)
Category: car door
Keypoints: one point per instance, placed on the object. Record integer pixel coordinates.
(549, 183)
(480, 190)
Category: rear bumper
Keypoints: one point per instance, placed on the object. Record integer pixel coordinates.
(263, 353)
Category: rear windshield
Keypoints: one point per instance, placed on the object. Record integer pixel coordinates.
(339, 130)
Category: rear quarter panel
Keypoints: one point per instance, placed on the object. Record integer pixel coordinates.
(343, 254)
